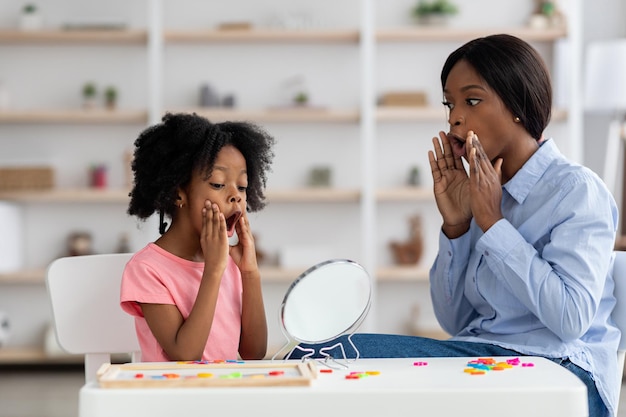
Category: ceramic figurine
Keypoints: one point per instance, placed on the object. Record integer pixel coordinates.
(409, 252)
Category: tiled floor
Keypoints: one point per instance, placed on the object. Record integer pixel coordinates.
(54, 393)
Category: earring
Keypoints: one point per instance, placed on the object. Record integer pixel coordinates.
(517, 119)
(180, 205)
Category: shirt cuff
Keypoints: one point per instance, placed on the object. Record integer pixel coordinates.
(499, 240)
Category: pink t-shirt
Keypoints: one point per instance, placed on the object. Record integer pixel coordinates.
(154, 275)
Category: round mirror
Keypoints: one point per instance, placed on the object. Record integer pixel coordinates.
(329, 299)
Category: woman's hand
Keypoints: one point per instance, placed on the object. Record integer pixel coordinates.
(485, 182)
(244, 253)
(451, 187)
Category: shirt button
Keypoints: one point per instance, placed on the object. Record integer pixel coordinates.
(449, 253)
(486, 253)
(473, 279)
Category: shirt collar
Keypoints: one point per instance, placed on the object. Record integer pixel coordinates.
(525, 179)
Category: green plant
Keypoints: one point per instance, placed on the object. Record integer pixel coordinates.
(89, 90)
(110, 94)
(301, 98)
(29, 8)
(441, 7)
(548, 8)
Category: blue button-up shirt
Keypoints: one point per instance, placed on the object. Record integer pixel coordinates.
(538, 280)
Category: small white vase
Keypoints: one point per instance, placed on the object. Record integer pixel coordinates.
(434, 19)
(31, 21)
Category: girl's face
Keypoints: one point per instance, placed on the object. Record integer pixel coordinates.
(226, 187)
(473, 105)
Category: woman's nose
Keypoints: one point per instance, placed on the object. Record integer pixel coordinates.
(455, 120)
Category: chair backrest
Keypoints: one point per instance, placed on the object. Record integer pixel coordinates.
(619, 312)
(85, 295)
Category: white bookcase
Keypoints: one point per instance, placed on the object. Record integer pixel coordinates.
(347, 52)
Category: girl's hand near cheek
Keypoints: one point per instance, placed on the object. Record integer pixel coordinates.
(244, 253)
(214, 238)
(485, 184)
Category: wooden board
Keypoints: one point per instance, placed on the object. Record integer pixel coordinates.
(206, 374)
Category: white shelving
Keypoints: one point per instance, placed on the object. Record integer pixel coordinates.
(368, 147)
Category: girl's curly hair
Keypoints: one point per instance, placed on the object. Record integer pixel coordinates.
(167, 154)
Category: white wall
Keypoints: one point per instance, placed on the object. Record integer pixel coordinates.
(603, 20)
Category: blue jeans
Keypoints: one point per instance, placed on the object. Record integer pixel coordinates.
(399, 346)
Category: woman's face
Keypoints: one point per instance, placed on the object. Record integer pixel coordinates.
(226, 187)
(473, 105)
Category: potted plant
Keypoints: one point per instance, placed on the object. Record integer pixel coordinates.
(30, 19)
(89, 95)
(301, 98)
(434, 12)
(110, 97)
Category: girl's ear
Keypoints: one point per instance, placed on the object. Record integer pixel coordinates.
(181, 200)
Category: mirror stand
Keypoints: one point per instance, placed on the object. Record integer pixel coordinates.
(327, 359)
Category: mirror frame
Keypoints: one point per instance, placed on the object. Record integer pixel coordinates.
(293, 340)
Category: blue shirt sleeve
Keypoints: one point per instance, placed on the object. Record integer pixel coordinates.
(452, 309)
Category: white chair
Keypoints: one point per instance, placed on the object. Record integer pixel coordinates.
(619, 313)
(85, 295)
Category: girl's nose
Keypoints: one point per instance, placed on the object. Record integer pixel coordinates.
(234, 198)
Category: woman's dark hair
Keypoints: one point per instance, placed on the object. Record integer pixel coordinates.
(515, 71)
(167, 154)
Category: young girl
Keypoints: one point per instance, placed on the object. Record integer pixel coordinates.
(193, 296)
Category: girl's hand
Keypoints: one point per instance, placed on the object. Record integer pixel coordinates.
(214, 238)
(244, 253)
(485, 184)
(451, 187)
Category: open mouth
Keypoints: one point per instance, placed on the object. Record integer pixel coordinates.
(458, 144)
(231, 221)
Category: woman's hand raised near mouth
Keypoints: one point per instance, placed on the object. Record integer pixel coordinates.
(451, 187)
(485, 184)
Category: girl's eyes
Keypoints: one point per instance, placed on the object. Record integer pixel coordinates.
(216, 186)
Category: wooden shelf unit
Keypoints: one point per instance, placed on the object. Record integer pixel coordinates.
(443, 33)
(140, 36)
(36, 356)
(278, 115)
(295, 195)
(402, 273)
(74, 116)
(273, 274)
(74, 36)
(67, 195)
(262, 35)
(37, 276)
(405, 194)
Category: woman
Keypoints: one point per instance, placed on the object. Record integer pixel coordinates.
(527, 237)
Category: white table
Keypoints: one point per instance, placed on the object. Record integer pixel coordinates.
(440, 388)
